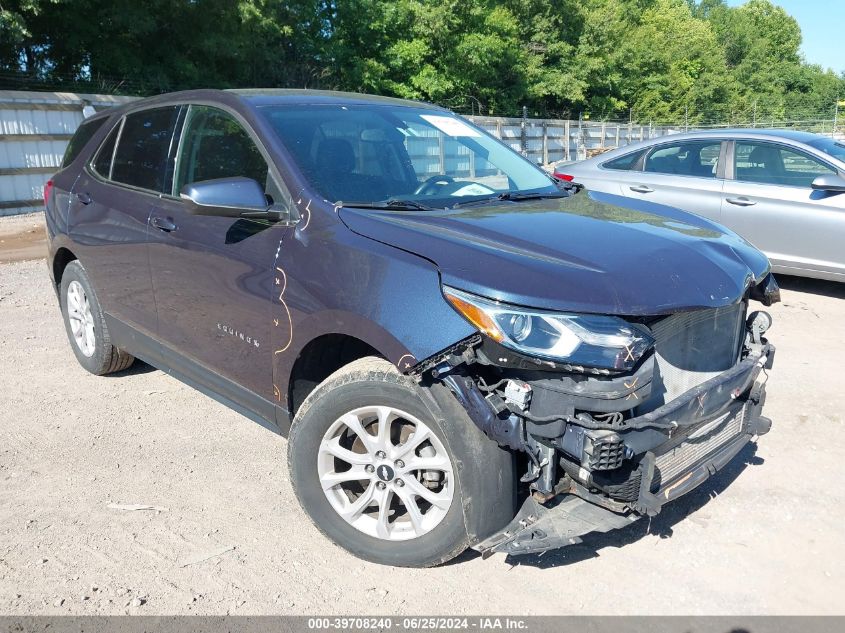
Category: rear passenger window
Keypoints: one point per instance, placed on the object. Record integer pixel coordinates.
(80, 139)
(698, 158)
(143, 148)
(776, 165)
(625, 163)
(215, 145)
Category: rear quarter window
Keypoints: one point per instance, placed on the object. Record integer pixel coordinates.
(80, 139)
(628, 162)
(103, 157)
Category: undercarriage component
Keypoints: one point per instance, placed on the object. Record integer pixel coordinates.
(501, 427)
(537, 528)
(542, 467)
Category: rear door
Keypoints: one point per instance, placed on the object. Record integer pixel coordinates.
(213, 277)
(608, 176)
(769, 201)
(110, 206)
(686, 174)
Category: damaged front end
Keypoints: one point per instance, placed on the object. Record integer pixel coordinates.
(614, 417)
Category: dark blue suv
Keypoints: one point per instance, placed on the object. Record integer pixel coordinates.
(464, 351)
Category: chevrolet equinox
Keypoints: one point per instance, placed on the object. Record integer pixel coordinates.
(462, 350)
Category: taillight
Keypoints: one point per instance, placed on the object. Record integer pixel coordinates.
(48, 189)
(565, 177)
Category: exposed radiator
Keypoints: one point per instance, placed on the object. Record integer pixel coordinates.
(698, 445)
(691, 348)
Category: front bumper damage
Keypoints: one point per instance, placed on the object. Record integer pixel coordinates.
(704, 439)
(595, 461)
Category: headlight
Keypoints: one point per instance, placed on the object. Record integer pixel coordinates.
(605, 342)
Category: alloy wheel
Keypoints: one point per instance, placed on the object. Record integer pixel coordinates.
(81, 319)
(386, 473)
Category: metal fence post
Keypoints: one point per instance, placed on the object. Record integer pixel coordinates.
(545, 143)
(442, 149)
(523, 133)
(568, 138)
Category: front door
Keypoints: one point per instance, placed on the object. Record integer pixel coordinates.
(770, 203)
(213, 277)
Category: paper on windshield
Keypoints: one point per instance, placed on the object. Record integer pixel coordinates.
(450, 125)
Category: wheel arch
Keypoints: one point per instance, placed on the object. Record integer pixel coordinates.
(61, 259)
(338, 337)
(320, 358)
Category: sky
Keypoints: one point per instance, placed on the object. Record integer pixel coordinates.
(821, 24)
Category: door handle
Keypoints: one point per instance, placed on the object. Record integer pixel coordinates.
(84, 198)
(742, 201)
(164, 224)
(641, 189)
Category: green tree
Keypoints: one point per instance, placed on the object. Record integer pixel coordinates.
(662, 60)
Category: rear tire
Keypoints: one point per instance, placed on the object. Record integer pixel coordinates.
(420, 483)
(86, 326)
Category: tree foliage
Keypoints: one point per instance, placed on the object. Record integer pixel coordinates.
(665, 60)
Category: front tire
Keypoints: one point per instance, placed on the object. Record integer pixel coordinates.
(380, 475)
(86, 326)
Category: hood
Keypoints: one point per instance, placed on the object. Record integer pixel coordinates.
(591, 252)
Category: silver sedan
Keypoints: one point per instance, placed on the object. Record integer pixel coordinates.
(783, 191)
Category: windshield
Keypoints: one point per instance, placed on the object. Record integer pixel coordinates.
(407, 157)
(831, 147)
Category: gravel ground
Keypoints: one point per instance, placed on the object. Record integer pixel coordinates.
(226, 534)
(22, 237)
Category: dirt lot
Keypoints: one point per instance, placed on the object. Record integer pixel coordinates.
(22, 238)
(764, 537)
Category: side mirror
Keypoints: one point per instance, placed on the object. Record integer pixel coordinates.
(227, 198)
(833, 184)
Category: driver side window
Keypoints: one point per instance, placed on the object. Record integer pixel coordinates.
(771, 164)
(215, 145)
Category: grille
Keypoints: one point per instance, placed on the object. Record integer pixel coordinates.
(692, 347)
(698, 445)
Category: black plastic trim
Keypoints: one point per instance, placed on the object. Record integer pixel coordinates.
(206, 381)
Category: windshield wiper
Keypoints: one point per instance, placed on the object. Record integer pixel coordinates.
(393, 203)
(513, 196)
(527, 195)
